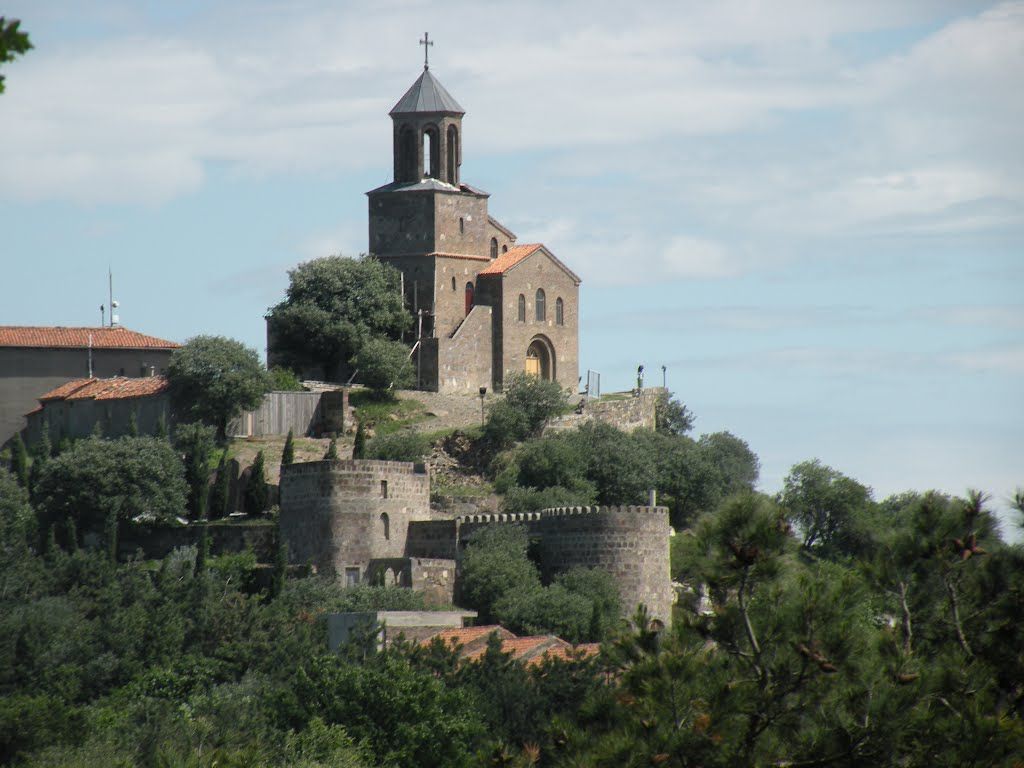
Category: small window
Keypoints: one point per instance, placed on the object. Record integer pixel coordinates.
(351, 577)
(504, 249)
(559, 312)
(494, 247)
(542, 313)
(384, 494)
(453, 284)
(462, 226)
(385, 525)
(522, 308)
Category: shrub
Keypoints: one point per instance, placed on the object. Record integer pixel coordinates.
(384, 365)
(399, 446)
(284, 380)
(256, 490)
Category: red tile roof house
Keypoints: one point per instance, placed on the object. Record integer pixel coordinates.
(75, 408)
(37, 360)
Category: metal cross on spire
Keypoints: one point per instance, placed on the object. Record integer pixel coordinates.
(426, 42)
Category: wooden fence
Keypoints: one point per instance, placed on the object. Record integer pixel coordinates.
(302, 412)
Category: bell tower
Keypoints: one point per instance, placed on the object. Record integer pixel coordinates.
(427, 130)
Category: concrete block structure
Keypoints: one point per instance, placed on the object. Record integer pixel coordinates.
(371, 521)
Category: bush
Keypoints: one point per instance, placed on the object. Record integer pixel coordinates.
(519, 499)
(495, 563)
(284, 380)
(127, 477)
(399, 446)
(529, 404)
(384, 365)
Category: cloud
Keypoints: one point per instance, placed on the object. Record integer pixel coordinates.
(993, 359)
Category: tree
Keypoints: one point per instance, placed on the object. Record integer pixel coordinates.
(359, 444)
(529, 404)
(196, 443)
(220, 497)
(127, 477)
(288, 452)
(332, 451)
(672, 417)
(495, 563)
(213, 379)
(831, 510)
(383, 366)
(19, 460)
(256, 491)
(284, 380)
(332, 307)
(13, 42)
(17, 523)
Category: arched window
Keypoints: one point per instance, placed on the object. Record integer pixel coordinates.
(494, 247)
(522, 308)
(385, 525)
(504, 249)
(453, 155)
(469, 297)
(542, 313)
(462, 226)
(407, 155)
(559, 312)
(431, 152)
(453, 283)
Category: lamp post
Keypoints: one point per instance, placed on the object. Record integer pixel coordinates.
(483, 393)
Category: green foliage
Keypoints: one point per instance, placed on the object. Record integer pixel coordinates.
(672, 417)
(284, 380)
(519, 499)
(332, 451)
(399, 446)
(359, 443)
(288, 452)
(196, 444)
(13, 43)
(220, 495)
(257, 494)
(128, 477)
(831, 511)
(529, 404)
(495, 562)
(133, 425)
(332, 307)
(17, 521)
(19, 460)
(203, 551)
(213, 379)
(280, 567)
(383, 365)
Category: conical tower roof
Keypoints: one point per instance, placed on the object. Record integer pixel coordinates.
(427, 95)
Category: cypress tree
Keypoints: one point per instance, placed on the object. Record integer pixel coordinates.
(50, 548)
(256, 489)
(19, 460)
(332, 451)
(280, 566)
(133, 426)
(220, 498)
(204, 552)
(161, 427)
(72, 533)
(359, 446)
(40, 455)
(288, 454)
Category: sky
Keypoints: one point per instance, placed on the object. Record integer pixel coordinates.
(811, 213)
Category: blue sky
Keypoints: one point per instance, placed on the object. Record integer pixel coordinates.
(810, 212)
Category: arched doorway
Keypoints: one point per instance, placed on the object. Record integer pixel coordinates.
(469, 297)
(540, 359)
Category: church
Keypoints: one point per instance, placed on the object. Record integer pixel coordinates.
(486, 306)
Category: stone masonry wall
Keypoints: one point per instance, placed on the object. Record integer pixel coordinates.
(631, 543)
(626, 413)
(464, 360)
(342, 514)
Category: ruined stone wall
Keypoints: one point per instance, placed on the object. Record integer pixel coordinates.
(620, 410)
(342, 514)
(630, 543)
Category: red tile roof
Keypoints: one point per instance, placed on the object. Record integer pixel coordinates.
(60, 337)
(510, 258)
(117, 388)
(472, 642)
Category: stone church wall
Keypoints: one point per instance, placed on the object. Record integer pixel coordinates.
(401, 223)
(449, 302)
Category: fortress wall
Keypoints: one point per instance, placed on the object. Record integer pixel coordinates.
(631, 543)
(333, 512)
(465, 357)
(432, 539)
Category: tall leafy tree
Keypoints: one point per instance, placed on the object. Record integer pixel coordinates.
(332, 307)
(383, 366)
(213, 379)
(13, 43)
(196, 444)
(831, 511)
